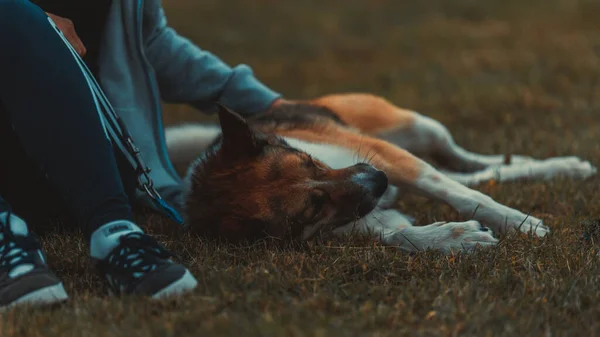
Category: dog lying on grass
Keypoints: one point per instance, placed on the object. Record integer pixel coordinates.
(336, 164)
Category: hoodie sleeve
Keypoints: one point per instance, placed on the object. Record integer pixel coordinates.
(188, 74)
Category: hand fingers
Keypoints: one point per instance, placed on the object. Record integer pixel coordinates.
(67, 27)
(76, 43)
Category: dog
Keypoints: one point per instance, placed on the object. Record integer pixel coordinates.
(336, 164)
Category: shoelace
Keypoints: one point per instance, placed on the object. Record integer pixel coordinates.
(16, 250)
(137, 255)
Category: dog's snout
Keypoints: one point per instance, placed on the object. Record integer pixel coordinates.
(373, 180)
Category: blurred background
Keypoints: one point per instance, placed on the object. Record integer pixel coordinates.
(504, 75)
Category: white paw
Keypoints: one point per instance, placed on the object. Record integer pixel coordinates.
(526, 224)
(447, 237)
(503, 219)
(572, 167)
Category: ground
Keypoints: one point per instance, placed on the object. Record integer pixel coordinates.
(505, 76)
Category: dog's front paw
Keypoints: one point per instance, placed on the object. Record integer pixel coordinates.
(447, 237)
(503, 219)
(572, 167)
(527, 224)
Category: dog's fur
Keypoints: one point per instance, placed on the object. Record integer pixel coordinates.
(300, 169)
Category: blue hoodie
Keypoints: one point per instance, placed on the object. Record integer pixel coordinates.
(142, 60)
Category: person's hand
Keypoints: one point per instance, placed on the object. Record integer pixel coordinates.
(67, 27)
(278, 102)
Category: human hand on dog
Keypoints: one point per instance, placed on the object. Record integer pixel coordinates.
(67, 27)
(279, 102)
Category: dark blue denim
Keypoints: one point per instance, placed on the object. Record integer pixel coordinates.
(54, 155)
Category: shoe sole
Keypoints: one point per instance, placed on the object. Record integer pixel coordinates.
(186, 283)
(44, 296)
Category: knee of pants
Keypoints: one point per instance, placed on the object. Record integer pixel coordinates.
(15, 14)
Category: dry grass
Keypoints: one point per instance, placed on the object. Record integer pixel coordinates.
(510, 75)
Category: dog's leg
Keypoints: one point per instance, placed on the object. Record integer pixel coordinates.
(472, 169)
(392, 228)
(423, 136)
(572, 167)
(418, 134)
(403, 168)
(428, 137)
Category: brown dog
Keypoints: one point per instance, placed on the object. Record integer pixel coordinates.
(302, 168)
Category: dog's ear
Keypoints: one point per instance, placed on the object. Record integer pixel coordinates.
(238, 137)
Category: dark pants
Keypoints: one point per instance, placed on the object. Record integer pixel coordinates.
(55, 160)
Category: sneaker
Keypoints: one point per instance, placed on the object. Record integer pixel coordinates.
(139, 265)
(24, 275)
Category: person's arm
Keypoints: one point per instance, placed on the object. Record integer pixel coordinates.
(187, 74)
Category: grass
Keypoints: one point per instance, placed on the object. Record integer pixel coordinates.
(504, 76)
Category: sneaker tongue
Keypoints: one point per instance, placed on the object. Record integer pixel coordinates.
(17, 225)
(106, 238)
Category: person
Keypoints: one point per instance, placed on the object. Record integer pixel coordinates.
(58, 161)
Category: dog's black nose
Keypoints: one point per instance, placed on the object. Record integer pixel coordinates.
(375, 181)
(380, 181)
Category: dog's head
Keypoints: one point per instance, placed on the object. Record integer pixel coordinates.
(250, 185)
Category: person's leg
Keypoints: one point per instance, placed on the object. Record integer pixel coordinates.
(49, 105)
(51, 111)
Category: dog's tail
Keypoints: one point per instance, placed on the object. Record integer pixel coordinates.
(186, 142)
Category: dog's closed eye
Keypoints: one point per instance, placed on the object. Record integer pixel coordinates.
(314, 165)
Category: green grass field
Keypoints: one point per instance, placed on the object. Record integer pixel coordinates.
(504, 76)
